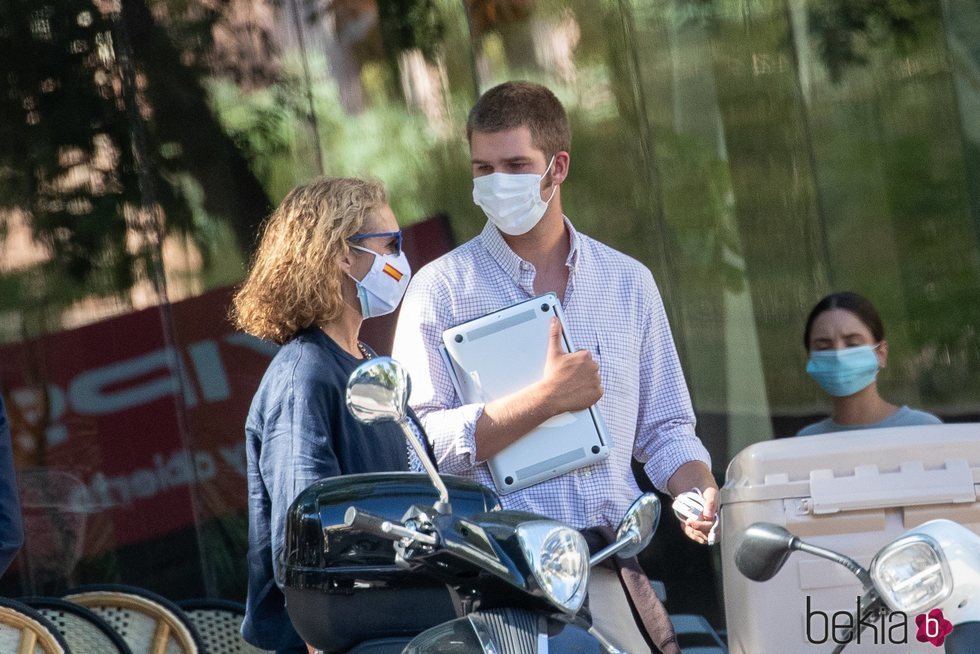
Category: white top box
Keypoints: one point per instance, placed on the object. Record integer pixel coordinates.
(852, 492)
(864, 468)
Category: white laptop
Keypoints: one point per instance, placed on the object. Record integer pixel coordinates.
(501, 353)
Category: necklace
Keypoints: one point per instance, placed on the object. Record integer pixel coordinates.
(364, 350)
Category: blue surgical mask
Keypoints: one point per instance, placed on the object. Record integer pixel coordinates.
(844, 372)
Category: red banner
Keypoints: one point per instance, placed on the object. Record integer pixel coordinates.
(124, 418)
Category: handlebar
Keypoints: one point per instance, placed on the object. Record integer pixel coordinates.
(382, 527)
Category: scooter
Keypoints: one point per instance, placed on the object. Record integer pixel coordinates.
(931, 572)
(413, 562)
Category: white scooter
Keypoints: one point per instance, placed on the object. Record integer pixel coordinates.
(931, 572)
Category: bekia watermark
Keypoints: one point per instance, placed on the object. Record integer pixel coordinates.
(933, 627)
(877, 626)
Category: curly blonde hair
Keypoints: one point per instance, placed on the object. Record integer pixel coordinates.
(295, 278)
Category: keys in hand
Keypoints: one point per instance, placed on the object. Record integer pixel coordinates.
(690, 506)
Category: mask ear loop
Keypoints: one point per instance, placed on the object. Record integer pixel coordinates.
(550, 197)
(554, 186)
(357, 282)
(874, 349)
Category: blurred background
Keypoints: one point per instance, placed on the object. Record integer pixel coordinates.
(755, 154)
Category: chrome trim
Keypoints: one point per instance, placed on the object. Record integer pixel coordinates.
(610, 648)
(442, 506)
(542, 636)
(483, 635)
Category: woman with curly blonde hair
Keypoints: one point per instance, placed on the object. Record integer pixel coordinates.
(329, 257)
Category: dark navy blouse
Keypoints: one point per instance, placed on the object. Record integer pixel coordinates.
(299, 430)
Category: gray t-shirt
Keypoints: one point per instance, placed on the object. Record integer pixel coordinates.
(904, 417)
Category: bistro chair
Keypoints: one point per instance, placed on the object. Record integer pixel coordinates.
(149, 623)
(25, 631)
(219, 621)
(83, 630)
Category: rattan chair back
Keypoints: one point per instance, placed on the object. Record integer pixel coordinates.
(149, 623)
(83, 629)
(25, 631)
(219, 623)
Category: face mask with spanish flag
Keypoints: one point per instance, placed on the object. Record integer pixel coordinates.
(383, 287)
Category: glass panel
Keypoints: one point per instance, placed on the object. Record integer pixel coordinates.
(755, 154)
(888, 151)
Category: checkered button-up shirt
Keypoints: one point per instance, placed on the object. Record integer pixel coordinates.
(613, 309)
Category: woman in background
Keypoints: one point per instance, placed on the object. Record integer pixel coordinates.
(846, 341)
(329, 257)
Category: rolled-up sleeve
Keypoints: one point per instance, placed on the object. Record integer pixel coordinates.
(450, 426)
(665, 437)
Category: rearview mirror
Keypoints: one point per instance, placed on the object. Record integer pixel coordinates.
(635, 531)
(639, 524)
(763, 549)
(378, 391)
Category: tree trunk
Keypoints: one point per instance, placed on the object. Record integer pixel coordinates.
(181, 114)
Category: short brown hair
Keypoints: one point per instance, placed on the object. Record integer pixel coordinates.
(523, 104)
(295, 278)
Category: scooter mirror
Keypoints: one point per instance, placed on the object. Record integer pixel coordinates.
(763, 549)
(639, 524)
(378, 391)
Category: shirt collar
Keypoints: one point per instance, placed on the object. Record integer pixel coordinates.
(495, 244)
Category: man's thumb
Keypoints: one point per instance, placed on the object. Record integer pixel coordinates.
(554, 339)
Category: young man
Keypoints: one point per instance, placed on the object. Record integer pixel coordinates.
(519, 141)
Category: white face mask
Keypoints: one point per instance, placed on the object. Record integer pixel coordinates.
(384, 286)
(512, 202)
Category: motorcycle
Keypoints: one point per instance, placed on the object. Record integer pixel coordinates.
(931, 572)
(423, 562)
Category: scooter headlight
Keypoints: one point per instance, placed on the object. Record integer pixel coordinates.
(559, 560)
(912, 574)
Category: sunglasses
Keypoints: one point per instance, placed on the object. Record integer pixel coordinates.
(395, 239)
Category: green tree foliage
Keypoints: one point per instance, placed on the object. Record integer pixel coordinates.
(64, 136)
(81, 151)
(409, 24)
(845, 28)
(185, 125)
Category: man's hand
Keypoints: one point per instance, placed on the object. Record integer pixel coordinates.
(571, 379)
(699, 525)
(694, 475)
